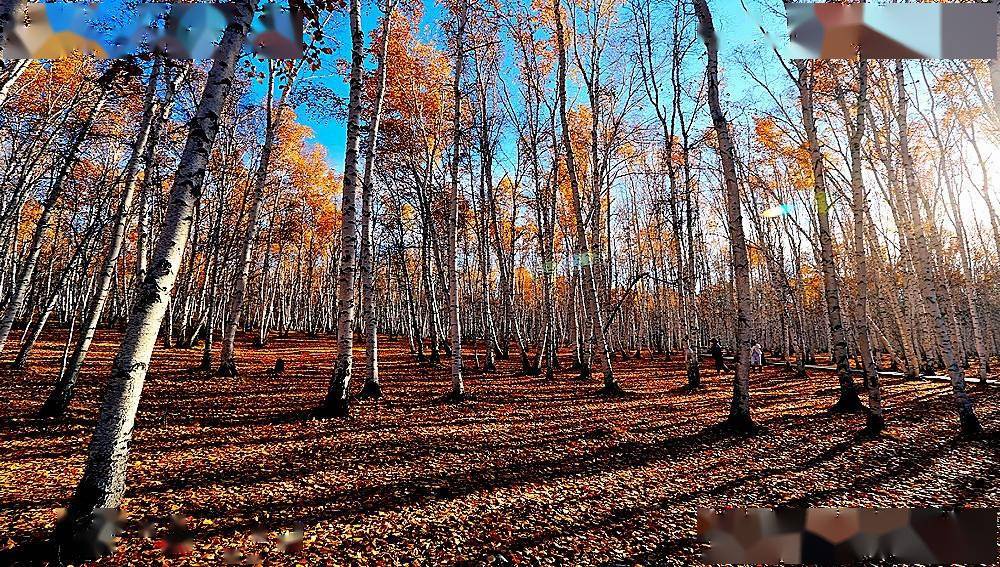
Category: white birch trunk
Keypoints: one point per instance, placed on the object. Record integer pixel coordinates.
(60, 397)
(848, 401)
(338, 395)
(739, 411)
(455, 294)
(83, 532)
(583, 255)
(969, 421)
(372, 388)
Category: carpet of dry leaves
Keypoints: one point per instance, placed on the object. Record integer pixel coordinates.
(527, 472)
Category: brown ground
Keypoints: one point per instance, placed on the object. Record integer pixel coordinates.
(529, 471)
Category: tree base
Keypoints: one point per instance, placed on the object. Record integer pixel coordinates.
(584, 373)
(52, 410)
(371, 391)
(78, 539)
(336, 408)
(612, 390)
(454, 397)
(874, 425)
(740, 424)
(971, 428)
(228, 369)
(849, 402)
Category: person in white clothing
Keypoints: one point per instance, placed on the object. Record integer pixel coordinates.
(756, 356)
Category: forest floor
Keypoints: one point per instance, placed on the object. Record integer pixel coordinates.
(528, 472)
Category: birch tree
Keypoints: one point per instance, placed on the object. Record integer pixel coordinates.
(739, 410)
(338, 395)
(87, 529)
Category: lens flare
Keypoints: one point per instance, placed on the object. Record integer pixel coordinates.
(778, 211)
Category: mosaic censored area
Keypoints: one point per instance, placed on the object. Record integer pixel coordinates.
(892, 31)
(848, 535)
(180, 31)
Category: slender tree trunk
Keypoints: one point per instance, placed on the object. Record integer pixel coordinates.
(235, 306)
(455, 294)
(338, 395)
(860, 205)
(583, 254)
(372, 388)
(849, 401)
(969, 421)
(739, 411)
(86, 529)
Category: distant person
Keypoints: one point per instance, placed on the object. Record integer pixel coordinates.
(757, 356)
(715, 349)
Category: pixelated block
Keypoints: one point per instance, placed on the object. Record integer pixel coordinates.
(892, 30)
(181, 31)
(848, 535)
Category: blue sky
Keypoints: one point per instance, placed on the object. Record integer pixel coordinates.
(737, 33)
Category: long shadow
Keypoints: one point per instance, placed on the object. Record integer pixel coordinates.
(390, 496)
(623, 515)
(906, 465)
(604, 459)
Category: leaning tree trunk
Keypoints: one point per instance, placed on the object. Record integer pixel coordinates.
(86, 529)
(11, 73)
(849, 401)
(60, 397)
(586, 267)
(372, 388)
(967, 416)
(739, 411)
(338, 395)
